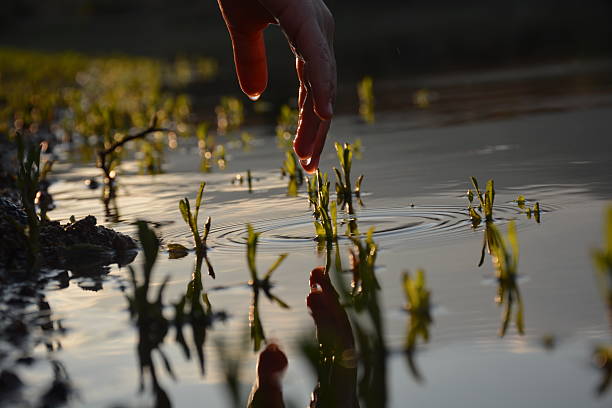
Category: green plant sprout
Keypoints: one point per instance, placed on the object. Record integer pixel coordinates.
(365, 91)
(286, 127)
(529, 211)
(419, 307)
(602, 358)
(257, 331)
(28, 179)
(311, 189)
(603, 263)
(326, 225)
(239, 179)
(344, 191)
(293, 171)
(504, 256)
(192, 221)
(485, 202)
(602, 258)
(207, 147)
(483, 210)
(230, 114)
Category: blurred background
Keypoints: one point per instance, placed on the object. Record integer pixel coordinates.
(392, 39)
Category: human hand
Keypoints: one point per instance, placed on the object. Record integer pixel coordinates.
(337, 382)
(309, 28)
(267, 391)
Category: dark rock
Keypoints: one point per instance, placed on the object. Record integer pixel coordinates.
(9, 382)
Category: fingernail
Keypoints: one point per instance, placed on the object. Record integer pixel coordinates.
(254, 97)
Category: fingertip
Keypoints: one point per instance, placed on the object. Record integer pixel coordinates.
(310, 165)
(302, 149)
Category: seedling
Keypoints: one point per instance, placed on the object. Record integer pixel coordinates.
(230, 114)
(28, 177)
(504, 255)
(365, 91)
(344, 191)
(602, 357)
(311, 188)
(257, 331)
(533, 211)
(326, 225)
(192, 221)
(286, 127)
(293, 170)
(419, 307)
(483, 210)
(239, 179)
(485, 202)
(603, 262)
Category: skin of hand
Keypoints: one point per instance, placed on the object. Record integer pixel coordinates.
(309, 28)
(267, 391)
(334, 334)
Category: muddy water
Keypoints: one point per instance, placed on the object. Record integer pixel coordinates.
(417, 165)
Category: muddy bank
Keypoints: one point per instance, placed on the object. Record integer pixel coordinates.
(82, 246)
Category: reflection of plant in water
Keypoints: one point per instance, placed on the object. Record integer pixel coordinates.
(61, 388)
(419, 307)
(602, 355)
(504, 255)
(326, 226)
(365, 91)
(194, 309)
(293, 171)
(148, 316)
(286, 127)
(344, 192)
(370, 335)
(257, 331)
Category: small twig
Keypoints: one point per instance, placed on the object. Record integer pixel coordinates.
(102, 154)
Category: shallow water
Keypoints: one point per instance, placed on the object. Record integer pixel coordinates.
(417, 165)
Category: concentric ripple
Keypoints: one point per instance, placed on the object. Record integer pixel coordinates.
(393, 227)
